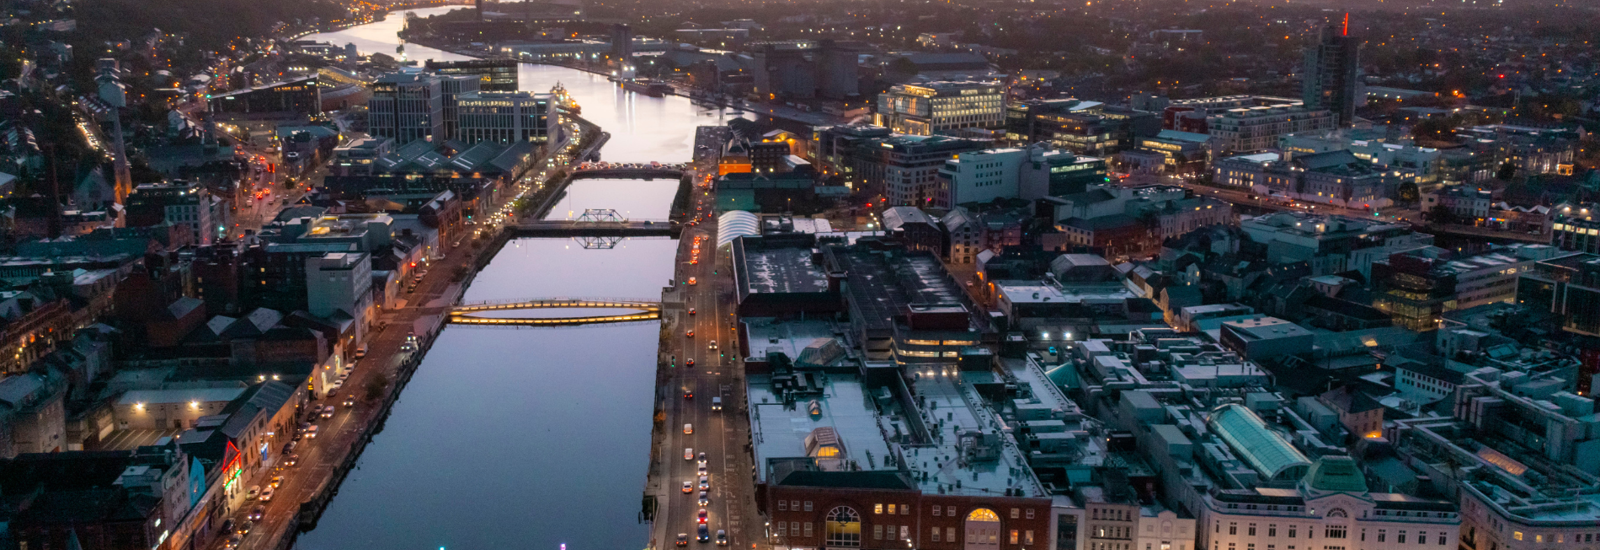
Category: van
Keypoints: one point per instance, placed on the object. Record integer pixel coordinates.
(716, 403)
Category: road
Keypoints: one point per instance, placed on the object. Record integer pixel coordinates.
(721, 435)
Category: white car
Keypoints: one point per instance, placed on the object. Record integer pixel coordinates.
(688, 454)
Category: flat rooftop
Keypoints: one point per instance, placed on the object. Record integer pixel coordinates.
(782, 270)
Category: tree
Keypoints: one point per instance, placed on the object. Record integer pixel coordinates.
(1507, 171)
(1407, 192)
(376, 386)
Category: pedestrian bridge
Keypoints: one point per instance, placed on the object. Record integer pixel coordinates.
(597, 222)
(467, 314)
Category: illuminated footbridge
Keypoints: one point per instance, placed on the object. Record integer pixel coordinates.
(471, 314)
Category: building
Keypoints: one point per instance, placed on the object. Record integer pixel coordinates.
(941, 107)
(916, 228)
(1128, 220)
(799, 70)
(359, 157)
(907, 167)
(1265, 338)
(1189, 115)
(1515, 455)
(496, 75)
(1409, 162)
(290, 99)
(504, 117)
(451, 87)
(1330, 244)
(339, 284)
(621, 43)
(1568, 287)
(181, 203)
(1332, 75)
(407, 107)
(1258, 128)
(33, 413)
(1179, 152)
(1028, 173)
(1328, 502)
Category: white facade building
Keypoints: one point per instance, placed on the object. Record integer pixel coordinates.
(503, 117)
(937, 107)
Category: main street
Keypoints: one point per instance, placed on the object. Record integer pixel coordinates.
(704, 277)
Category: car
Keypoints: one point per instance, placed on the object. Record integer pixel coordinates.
(688, 429)
(722, 537)
(252, 493)
(297, 437)
(691, 311)
(688, 454)
(705, 498)
(292, 459)
(689, 362)
(327, 412)
(361, 351)
(692, 281)
(311, 433)
(702, 462)
(233, 541)
(276, 481)
(701, 456)
(694, 261)
(350, 400)
(703, 472)
(701, 515)
(713, 344)
(266, 493)
(705, 483)
(259, 511)
(683, 539)
(703, 533)
(688, 487)
(689, 334)
(688, 394)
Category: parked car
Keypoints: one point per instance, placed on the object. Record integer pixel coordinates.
(252, 493)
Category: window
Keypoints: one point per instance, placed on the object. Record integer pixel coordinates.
(808, 506)
(877, 532)
(891, 509)
(1401, 537)
(783, 529)
(1016, 513)
(1441, 539)
(905, 509)
(794, 528)
(950, 511)
(794, 505)
(1422, 537)
(936, 510)
(1027, 536)
(935, 534)
(1029, 513)
(1337, 532)
(1013, 536)
(950, 534)
(1292, 530)
(905, 531)
(877, 508)
(843, 528)
(1252, 530)
(783, 505)
(1233, 528)
(1382, 533)
(1272, 529)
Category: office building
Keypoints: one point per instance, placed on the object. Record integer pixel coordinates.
(1189, 115)
(621, 42)
(1331, 244)
(941, 107)
(806, 70)
(451, 88)
(503, 117)
(495, 75)
(1333, 74)
(907, 166)
(1568, 287)
(407, 107)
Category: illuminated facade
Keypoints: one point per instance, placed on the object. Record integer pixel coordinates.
(503, 117)
(939, 107)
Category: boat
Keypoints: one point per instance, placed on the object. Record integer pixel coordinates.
(647, 87)
(564, 100)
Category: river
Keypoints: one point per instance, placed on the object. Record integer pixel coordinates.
(529, 438)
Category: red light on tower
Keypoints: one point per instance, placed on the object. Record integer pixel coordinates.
(1347, 23)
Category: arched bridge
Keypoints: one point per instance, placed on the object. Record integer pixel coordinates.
(465, 314)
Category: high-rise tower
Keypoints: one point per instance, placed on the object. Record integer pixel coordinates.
(1333, 72)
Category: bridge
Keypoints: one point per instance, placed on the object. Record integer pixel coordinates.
(465, 314)
(597, 226)
(628, 173)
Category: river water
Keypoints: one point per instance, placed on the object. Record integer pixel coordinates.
(530, 438)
